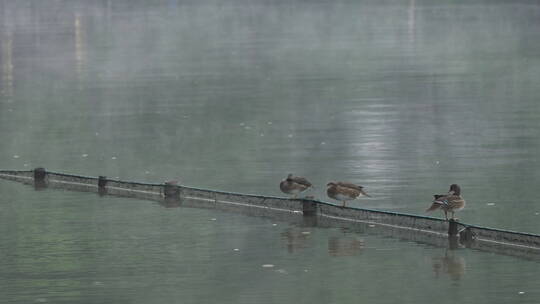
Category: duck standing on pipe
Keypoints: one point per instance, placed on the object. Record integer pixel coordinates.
(344, 191)
(294, 185)
(450, 202)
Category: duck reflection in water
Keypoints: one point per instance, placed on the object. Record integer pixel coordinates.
(450, 264)
(296, 238)
(339, 246)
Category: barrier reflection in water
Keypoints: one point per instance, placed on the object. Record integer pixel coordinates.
(344, 246)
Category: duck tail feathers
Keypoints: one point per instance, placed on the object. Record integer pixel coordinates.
(433, 207)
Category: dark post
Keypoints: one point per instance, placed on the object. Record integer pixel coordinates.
(39, 178)
(39, 174)
(466, 237)
(452, 228)
(171, 190)
(309, 208)
(102, 182)
(453, 243)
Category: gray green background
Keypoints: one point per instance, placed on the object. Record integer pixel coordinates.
(403, 97)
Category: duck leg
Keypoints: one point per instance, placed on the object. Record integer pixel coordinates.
(446, 214)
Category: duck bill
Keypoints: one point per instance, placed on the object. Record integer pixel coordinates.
(364, 193)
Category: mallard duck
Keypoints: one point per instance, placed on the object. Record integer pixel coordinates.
(294, 185)
(344, 191)
(450, 202)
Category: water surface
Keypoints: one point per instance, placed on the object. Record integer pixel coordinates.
(403, 97)
(65, 247)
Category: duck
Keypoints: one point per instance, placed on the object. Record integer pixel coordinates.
(344, 191)
(450, 202)
(294, 185)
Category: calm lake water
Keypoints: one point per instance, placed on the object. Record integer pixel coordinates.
(403, 97)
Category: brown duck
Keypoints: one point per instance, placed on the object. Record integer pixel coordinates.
(294, 185)
(344, 191)
(450, 202)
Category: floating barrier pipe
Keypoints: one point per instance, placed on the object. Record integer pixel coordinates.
(417, 228)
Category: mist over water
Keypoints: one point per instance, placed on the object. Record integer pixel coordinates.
(402, 97)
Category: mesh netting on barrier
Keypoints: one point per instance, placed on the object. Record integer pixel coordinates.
(308, 212)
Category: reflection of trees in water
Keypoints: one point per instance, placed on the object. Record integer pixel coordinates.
(6, 56)
(80, 49)
(339, 246)
(450, 264)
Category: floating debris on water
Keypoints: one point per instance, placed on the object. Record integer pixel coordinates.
(323, 143)
(84, 155)
(146, 172)
(262, 134)
(371, 226)
(521, 292)
(236, 249)
(247, 127)
(16, 156)
(306, 232)
(267, 265)
(283, 271)
(242, 124)
(213, 219)
(490, 204)
(276, 224)
(26, 165)
(437, 162)
(114, 157)
(269, 123)
(537, 213)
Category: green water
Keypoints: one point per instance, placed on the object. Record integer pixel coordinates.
(403, 97)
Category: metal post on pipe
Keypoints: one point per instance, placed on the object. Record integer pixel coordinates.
(171, 190)
(102, 183)
(309, 208)
(452, 228)
(453, 234)
(40, 178)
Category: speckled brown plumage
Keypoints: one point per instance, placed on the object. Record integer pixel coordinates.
(294, 185)
(450, 202)
(344, 191)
